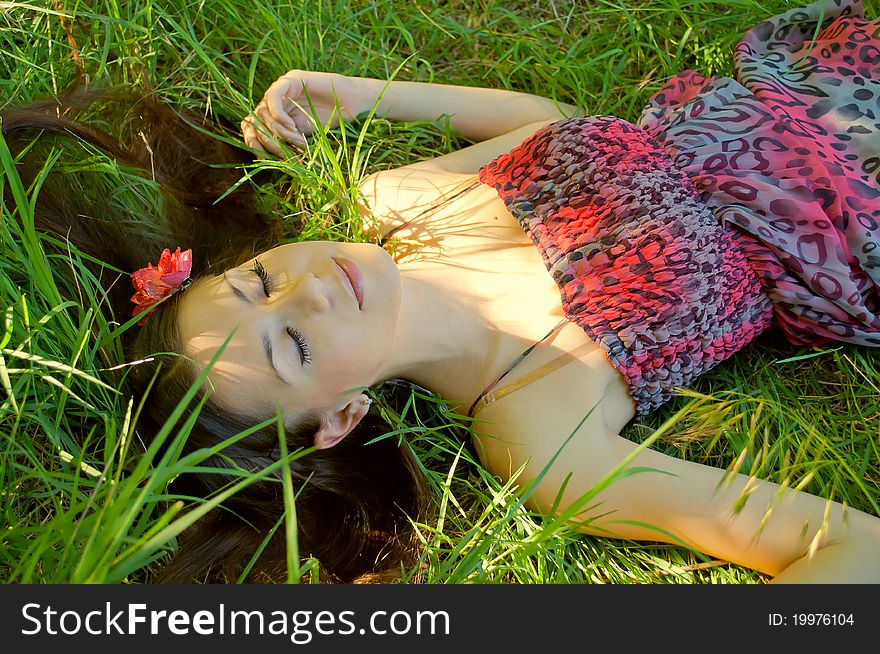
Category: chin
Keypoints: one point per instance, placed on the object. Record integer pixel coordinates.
(385, 264)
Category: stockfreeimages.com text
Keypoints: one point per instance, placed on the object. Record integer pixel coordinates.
(300, 626)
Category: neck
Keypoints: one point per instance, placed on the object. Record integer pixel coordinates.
(443, 340)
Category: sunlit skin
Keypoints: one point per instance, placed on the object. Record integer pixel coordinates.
(342, 347)
(326, 347)
(451, 318)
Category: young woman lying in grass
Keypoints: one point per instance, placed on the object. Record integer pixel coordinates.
(733, 208)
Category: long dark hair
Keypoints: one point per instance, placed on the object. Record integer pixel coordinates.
(356, 502)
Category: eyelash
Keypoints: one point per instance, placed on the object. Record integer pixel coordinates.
(260, 272)
(305, 355)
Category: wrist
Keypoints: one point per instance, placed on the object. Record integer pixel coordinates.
(363, 93)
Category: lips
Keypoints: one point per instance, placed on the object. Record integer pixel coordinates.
(353, 276)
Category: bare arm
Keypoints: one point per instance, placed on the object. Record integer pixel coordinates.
(479, 114)
(791, 535)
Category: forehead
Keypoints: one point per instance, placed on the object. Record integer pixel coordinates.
(214, 322)
(208, 313)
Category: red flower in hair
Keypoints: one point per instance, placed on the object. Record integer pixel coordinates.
(154, 284)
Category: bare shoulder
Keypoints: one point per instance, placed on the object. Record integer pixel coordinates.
(573, 405)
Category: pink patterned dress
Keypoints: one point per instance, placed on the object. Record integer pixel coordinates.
(733, 207)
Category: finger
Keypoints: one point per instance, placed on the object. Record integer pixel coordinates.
(247, 131)
(280, 100)
(291, 135)
(305, 123)
(270, 145)
(264, 133)
(250, 136)
(251, 126)
(256, 135)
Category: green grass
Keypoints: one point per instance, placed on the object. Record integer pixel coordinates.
(85, 501)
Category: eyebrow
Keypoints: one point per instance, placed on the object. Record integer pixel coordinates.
(237, 292)
(264, 337)
(267, 348)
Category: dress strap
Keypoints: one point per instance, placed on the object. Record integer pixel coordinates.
(491, 393)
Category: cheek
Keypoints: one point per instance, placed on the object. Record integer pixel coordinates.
(355, 357)
(238, 389)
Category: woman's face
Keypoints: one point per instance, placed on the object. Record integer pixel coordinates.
(314, 323)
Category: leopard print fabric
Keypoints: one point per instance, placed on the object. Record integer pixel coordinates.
(790, 153)
(734, 206)
(641, 263)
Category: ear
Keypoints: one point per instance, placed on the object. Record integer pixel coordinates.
(338, 424)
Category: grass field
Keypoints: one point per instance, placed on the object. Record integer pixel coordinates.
(84, 500)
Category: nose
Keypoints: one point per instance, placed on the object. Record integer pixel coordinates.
(308, 295)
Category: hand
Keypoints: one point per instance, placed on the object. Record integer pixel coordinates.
(284, 113)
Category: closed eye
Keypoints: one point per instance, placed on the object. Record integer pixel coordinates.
(305, 356)
(263, 274)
